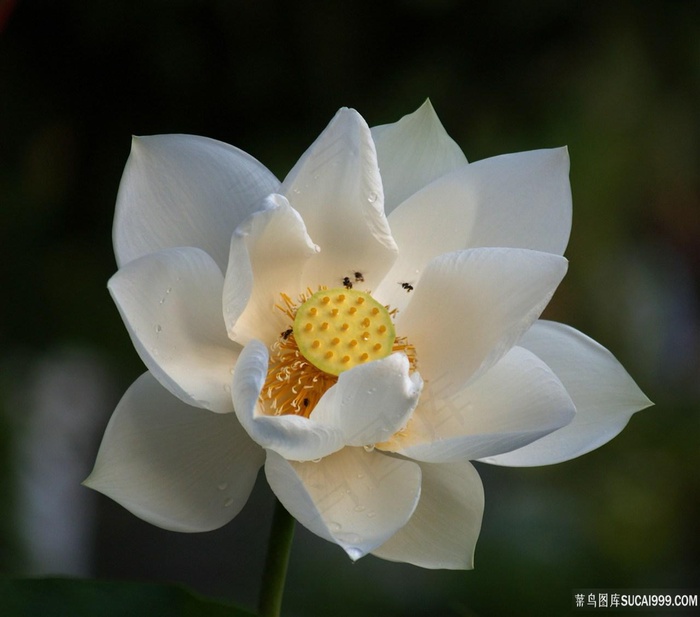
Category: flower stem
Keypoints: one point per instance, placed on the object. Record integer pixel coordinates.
(277, 560)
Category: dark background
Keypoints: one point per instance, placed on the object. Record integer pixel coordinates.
(618, 82)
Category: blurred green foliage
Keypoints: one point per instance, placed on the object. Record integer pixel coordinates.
(64, 597)
(618, 82)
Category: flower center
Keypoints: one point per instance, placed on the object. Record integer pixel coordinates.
(330, 331)
(336, 329)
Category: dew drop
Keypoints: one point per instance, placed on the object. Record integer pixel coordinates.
(360, 508)
(360, 476)
(296, 190)
(222, 486)
(371, 514)
(372, 197)
(168, 290)
(228, 503)
(227, 388)
(353, 552)
(161, 301)
(333, 526)
(349, 538)
(158, 329)
(369, 447)
(316, 460)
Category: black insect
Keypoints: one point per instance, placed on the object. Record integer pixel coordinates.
(347, 283)
(305, 402)
(407, 286)
(286, 333)
(359, 278)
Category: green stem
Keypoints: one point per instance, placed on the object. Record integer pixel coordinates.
(277, 560)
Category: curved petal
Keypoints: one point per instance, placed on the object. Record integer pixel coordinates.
(604, 393)
(443, 531)
(170, 302)
(278, 247)
(354, 498)
(470, 308)
(516, 402)
(372, 401)
(412, 153)
(515, 200)
(337, 189)
(184, 190)
(293, 437)
(175, 466)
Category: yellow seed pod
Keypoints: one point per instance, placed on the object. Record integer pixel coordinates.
(336, 329)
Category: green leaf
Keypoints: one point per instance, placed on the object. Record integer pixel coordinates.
(62, 597)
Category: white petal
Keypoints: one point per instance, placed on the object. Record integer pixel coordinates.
(412, 153)
(238, 285)
(470, 308)
(354, 498)
(277, 247)
(184, 190)
(516, 402)
(175, 466)
(516, 201)
(337, 189)
(170, 302)
(294, 437)
(603, 392)
(372, 401)
(443, 531)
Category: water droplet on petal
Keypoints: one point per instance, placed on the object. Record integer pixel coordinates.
(168, 290)
(228, 503)
(360, 508)
(316, 460)
(158, 328)
(227, 388)
(222, 486)
(368, 448)
(371, 514)
(349, 538)
(353, 552)
(333, 526)
(372, 197)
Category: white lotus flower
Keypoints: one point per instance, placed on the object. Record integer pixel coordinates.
(373, 323)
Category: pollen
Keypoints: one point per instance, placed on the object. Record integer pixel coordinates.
(350, 320)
